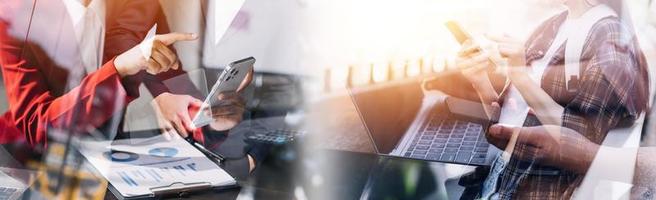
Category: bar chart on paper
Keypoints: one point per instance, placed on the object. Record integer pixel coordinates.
(134, 167)
(146, 176)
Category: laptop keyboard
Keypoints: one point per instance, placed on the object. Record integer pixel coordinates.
(7, 192)
(450, 140)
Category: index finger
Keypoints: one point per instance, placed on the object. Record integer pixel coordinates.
(496, 136)
(469, 49)
(181, 128)
(247, 81)
(227, 95)
(171, 38)
(533, 136)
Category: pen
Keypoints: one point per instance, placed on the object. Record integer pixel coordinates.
(209, 153)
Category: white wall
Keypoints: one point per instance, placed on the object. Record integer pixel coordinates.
(269, 30)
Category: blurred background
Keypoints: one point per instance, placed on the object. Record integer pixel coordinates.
(311, 52)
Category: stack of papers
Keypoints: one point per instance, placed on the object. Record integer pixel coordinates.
(138, 167)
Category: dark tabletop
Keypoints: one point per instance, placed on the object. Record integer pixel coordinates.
(335, 161)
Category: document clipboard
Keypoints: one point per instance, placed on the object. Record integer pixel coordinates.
(149, 168)
(177, 189)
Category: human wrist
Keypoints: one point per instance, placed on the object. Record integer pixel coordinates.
(486, 91)
(120, 67)
(518, 75)
(588, 151)
(129, 63)
(480, 82)
(517, 60)
(124, 67)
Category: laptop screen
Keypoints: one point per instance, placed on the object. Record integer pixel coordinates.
(387, 111)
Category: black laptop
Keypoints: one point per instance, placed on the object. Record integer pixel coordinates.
(403, 122)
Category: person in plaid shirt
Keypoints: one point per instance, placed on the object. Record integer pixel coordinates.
(611, 91)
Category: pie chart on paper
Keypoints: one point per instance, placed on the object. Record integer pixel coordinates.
(163, 152)
(121, 156)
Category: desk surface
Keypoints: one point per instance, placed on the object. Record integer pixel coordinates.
(362, 174)
(356, 175)
(338, 162)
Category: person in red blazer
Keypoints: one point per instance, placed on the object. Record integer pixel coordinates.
(128, 22)
(46, 85)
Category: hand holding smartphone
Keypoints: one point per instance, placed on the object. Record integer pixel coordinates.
(232, 79)
(463, 36)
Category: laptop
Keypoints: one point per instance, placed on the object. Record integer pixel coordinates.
(401, 122)
(11, 188)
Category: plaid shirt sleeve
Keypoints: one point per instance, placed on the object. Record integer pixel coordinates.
(605, 98)
(607, 83)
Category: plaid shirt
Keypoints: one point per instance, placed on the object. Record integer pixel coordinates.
(611, 91)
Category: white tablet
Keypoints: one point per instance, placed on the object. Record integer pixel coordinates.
(229, 81)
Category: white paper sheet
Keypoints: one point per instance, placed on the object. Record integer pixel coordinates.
(224, 12)
(135, 166)
(146, 45)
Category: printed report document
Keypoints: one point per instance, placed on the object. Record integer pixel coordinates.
(138, 167)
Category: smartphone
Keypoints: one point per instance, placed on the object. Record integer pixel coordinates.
(229, 81)
(462, 36)
(457, 32)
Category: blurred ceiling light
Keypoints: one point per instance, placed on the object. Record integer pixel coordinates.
(381, 71)
(450, 63)
(338, 78)
(360, 74)
(438, 63)
(398, 69)
(426, 65)
(413, 68)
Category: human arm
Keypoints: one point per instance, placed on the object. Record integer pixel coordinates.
(612, 87)
(127, 26)
(242, 157)
(474, 65)
(35, 107)
(548, 145)
(607, 90)
(39, 95)
(565, 148)
(543, 106)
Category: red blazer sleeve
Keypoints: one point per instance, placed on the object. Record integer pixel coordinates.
(8, 132)
(35, 107)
